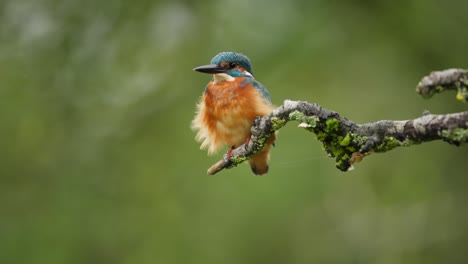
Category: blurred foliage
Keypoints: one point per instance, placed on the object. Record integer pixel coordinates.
(99, 164)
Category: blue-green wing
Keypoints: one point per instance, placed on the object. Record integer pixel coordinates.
(263, 91)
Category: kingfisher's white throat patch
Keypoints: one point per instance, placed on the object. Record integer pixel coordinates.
(220, 77)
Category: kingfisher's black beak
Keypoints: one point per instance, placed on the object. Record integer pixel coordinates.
(210, 68)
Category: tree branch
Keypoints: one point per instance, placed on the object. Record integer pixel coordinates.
(439, 81)
(349, 142)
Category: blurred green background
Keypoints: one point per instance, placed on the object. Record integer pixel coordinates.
(99, 165)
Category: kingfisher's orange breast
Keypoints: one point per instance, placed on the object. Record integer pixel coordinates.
(226, 112)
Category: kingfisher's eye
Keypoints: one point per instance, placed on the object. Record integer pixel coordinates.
(232, 65)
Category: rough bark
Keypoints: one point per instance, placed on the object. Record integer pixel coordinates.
(440, 81)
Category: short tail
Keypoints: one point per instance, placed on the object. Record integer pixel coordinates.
(259, 162)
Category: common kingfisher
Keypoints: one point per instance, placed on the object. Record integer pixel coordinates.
(230, 103)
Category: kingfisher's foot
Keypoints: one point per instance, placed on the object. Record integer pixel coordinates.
(228, 154)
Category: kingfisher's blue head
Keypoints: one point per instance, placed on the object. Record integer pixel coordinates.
(230, 63)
